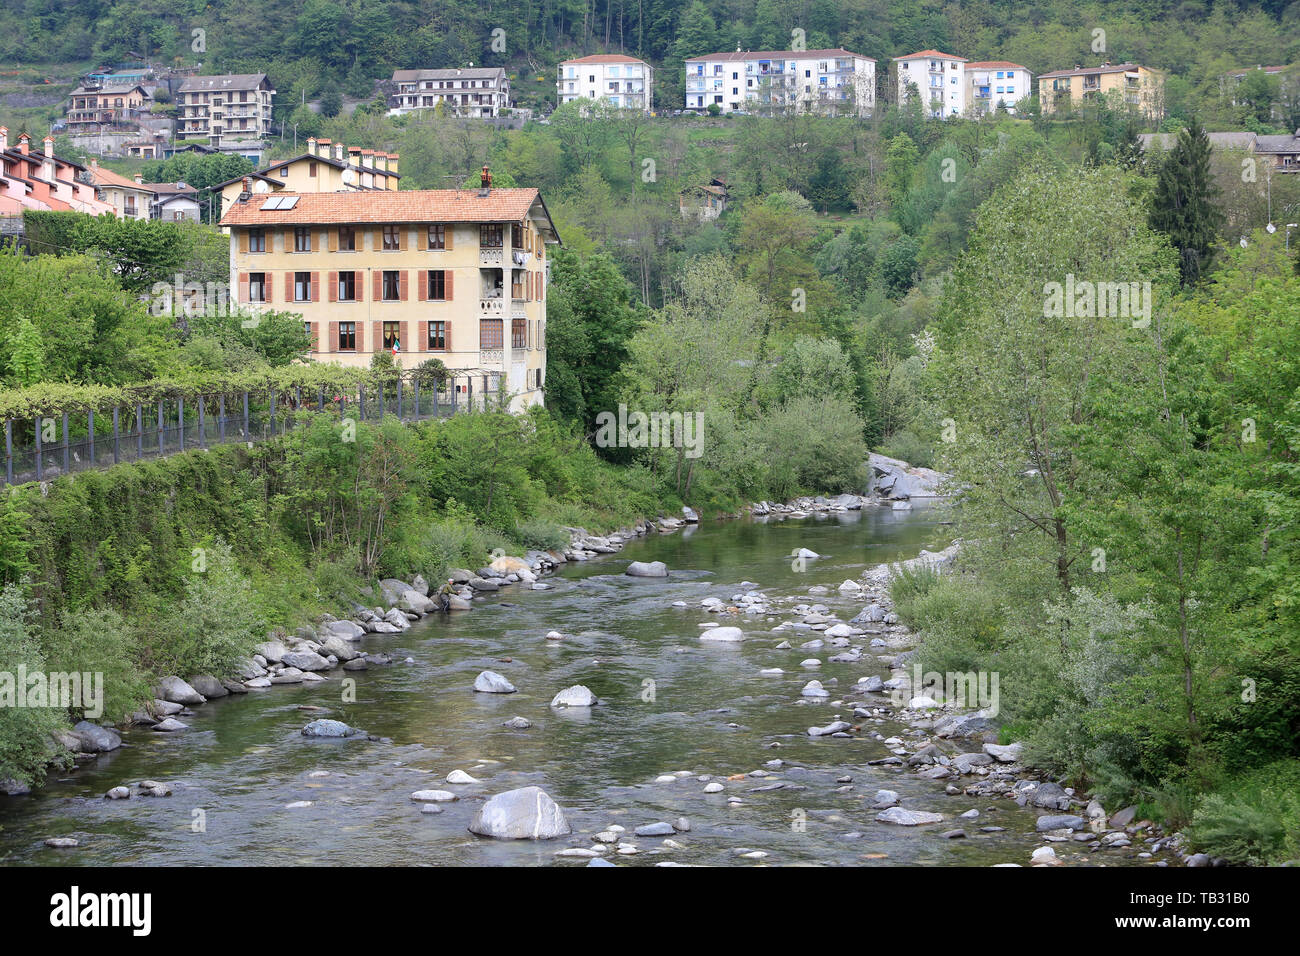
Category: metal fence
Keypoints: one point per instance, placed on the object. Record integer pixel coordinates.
(49, 446)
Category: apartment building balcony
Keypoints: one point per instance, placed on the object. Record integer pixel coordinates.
(491, 307)
(491, 257)
(491, 358)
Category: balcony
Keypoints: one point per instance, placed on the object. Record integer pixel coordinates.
(491, 257)
(492, 306)
(489, 358)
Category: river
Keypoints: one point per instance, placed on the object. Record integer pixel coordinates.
(243, 760)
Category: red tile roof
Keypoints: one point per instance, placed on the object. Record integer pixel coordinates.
(605, 58)
(735, 55)
(996, 65)
(388, 206)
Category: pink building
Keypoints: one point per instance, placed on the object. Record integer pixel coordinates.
(37, 179)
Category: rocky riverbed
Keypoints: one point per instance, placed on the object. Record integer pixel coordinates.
(731, 711)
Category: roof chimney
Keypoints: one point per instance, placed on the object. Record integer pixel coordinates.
(47, 164)
(486, 177)
(392, 162)
(247, 194)
(311, 146)
(24, 141)
(340, 153)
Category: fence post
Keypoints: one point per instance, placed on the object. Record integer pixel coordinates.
(417, 399)
(272, 411)
(40, 471)
(221, 417)
(90, 418)
(117, 442)
(379, 389)
(203, 438)
(9, 452)
(469, 392)
(139, 432)
(162, 429)
(399, 399)
(245, 416)
(361, 402)
(66, 443)
(180, 420)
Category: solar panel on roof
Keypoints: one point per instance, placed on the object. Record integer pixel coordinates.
(272, 203)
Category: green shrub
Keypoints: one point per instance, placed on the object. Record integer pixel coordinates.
(100, 641)
(1254, 819)
(24, 731)
(542, 536)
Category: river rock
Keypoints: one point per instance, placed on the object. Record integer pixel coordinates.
(306, 661)
(340, 647)
(1058, 821)
(170, 725)
(834, 727)
(814, 689)
(433, 796)
(208, 686)
(96, 739)
(62, 843)
(490, 682)
(118, 793)
(575, 696)
(908, 818)
(271, 651)
(655, 829)
(1004, 754)
(1044, 856)
(1050, 796)
(524, 814)
(177, 691)
(884, 799)
(723, 634)
(348, 630)
(460, 776)
(329, 728)
(517, 723)
(647, 569)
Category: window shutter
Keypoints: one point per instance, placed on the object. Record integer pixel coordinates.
(288, 240)
(448, 232)
(446, 335)
(315, 287)
(288, 287)
(378, 289)
(402, 284)
(376, 336)
(446, 286)
(333, 237)
(333, 344)
(333, 291)
(377, 237)
(401, 239)
(422, 285)
(243, 288)
(315, 336)
(243, 241)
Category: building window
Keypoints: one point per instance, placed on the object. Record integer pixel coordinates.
(517, 235)
(347, 239)
(347, 336)
(347, 287)
(311, 169)
(284, 172)
(302, 286)
(392, 238)
(518, 333)
(437, 285)
(257, 240)
(257, 287)
(437, 336)
(490, 235)
(392, 285)
(489, 334)
(437, 237)
(301, 239)
(392, 335)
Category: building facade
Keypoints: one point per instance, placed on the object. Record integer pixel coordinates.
(460, 275)
(230, 113)
(478, 93)
(1136, 87)
(326, 167)
(37, 179)
(829, 82)
(93, 107)
(622, 81)
(937, 79)
(994, 83)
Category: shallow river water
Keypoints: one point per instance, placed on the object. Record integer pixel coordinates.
(243, 758)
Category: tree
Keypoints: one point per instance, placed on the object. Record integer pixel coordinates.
(1182, 205)
(697, 33)
(26, 354)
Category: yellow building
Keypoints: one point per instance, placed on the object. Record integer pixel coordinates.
(1138, 87)
(326, 167)
(459, 275)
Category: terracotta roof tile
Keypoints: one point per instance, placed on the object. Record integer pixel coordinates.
(388, 206)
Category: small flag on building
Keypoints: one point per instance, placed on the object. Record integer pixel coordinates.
(397, 346)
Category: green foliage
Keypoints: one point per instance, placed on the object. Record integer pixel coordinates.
(1254, 819)
(101, 641)
(1182, 205)
(24, 731)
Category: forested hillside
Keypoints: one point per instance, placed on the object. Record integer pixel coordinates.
(306, 46)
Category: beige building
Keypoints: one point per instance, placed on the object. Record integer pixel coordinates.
(326, 167)
(1136, 87)
(459, 275)
(229, 112)
(91, 107)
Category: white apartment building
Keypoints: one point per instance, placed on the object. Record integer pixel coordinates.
(476, 92)
(939, 79)
(624, 81)
(775, 81)
(993, 82)
(230, 112)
